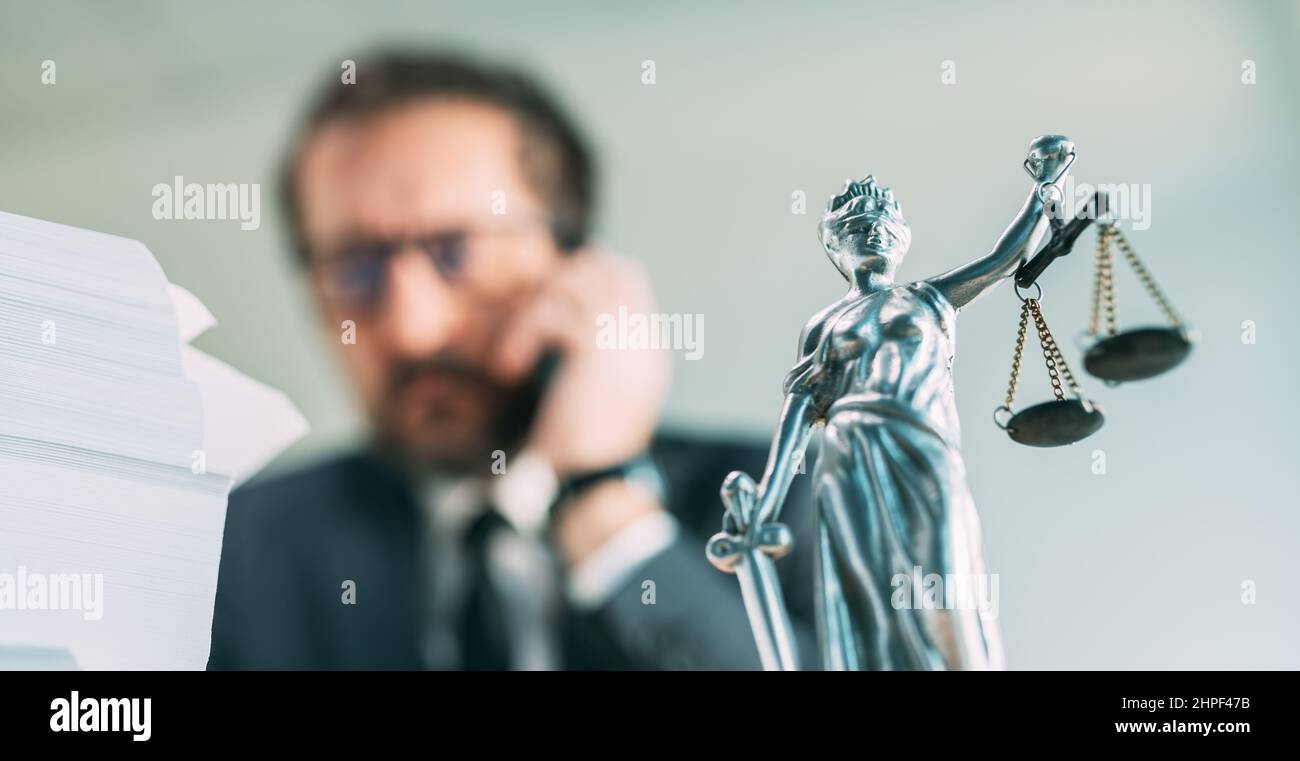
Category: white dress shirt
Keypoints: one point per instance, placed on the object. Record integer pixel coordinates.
(522, 566)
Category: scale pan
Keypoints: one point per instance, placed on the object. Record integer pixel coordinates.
(1137, 354)
(1055, 424)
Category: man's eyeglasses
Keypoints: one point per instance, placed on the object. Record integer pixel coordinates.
(475, 261)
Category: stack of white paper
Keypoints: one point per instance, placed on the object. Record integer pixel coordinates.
(112, 490)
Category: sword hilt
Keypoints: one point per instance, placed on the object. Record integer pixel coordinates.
(726, 548)
(725, 551)
(746, 548)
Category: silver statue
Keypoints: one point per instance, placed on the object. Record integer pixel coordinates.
(875, 369)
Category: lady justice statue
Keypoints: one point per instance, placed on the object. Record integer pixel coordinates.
(875, 369)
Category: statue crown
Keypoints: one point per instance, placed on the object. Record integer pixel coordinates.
(869, 188)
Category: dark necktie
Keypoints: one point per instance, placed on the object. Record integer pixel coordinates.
(483, 632)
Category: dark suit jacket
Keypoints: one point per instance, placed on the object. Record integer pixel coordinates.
(292, 541)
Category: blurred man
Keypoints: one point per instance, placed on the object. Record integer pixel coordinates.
(517, 509)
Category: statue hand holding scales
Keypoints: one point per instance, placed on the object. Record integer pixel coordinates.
(875, 369)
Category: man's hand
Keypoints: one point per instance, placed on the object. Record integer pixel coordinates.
(603, 405)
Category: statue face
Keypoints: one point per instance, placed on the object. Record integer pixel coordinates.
(861, 231)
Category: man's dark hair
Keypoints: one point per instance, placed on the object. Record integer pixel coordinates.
(556, 161)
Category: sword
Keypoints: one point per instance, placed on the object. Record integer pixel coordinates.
(748, 552)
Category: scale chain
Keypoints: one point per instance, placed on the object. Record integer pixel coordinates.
(1057, 368)
(1020, 353)
(1147, 280)
(1059, 359)
(1049, 355)
(1103, 292)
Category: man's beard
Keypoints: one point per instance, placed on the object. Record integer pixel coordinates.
(434, 435)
